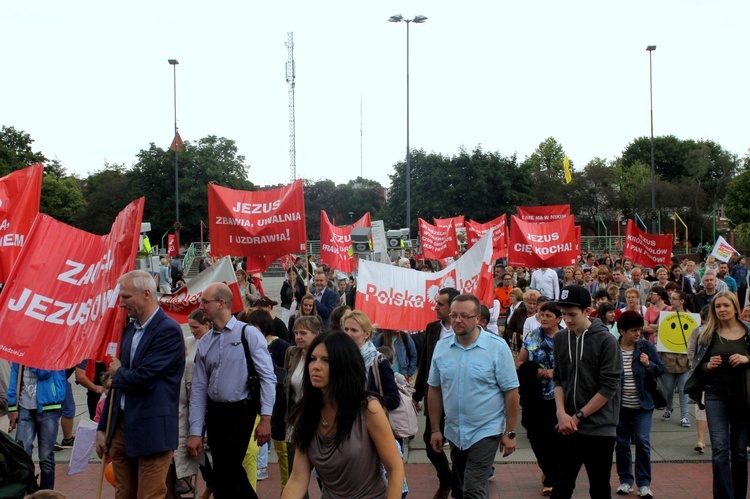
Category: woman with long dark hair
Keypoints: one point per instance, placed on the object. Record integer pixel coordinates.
(341, 431)
(308, 305)
(719, 370)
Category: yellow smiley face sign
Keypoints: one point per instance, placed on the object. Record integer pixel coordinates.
(675, 330)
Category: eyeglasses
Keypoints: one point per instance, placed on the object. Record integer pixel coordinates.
(463, 317)
(203, 301)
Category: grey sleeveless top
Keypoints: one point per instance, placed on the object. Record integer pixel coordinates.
(353, 469)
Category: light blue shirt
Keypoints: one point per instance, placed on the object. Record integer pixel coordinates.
(473, 380)
(221, 371)
(137, 336)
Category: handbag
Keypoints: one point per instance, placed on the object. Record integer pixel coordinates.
(253, 380)
(655, 386)
(403, 418)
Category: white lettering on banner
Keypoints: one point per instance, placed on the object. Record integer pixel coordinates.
(338, 238)
(12, 240)
(253, 209)
(277, 219)
(92, 271)
(240, 222)
(45, 309)
(270, 238)
(392, 297)
(543, 250)
(181, 301)
(543, 238)
(5, 225)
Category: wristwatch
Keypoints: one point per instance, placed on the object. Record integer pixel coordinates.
(510, 434)
(580, 415)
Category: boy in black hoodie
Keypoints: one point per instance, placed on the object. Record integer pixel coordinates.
(587, 395)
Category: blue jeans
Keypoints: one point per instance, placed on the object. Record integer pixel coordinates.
(42, 425)
(727, 418)
(635, 422)
(670, 380)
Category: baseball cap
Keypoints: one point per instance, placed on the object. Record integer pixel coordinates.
(574, 296)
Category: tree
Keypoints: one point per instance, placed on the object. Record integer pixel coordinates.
(209, 160)
(594, 193)
(106, 194)
(15, 151)
(62, 198)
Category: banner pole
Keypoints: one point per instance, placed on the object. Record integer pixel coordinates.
(106, 433)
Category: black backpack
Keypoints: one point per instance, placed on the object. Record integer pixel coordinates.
(16, 469)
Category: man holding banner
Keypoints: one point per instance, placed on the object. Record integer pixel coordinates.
(140, 436)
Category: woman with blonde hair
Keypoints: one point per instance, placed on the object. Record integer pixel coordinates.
(719, 369)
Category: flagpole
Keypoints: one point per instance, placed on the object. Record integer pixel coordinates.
(174, 64)
(110, 398)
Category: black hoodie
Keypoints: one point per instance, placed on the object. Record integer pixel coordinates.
(584, 366)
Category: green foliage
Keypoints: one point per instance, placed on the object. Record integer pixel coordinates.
(547, 159)
(106, 194)
(15, 151)
(737, 200)
(62, 198)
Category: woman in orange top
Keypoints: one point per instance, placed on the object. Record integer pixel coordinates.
(502, 293)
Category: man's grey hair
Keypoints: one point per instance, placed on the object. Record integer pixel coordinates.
(141, 280)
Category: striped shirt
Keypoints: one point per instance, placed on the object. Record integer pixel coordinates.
(630, 398)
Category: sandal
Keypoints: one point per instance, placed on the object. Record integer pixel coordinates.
(699, 447)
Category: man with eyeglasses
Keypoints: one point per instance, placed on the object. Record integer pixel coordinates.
(435, 331)
(473, 378)
(221, 396)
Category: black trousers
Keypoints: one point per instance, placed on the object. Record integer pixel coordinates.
(595, 453)
(545, 441)
(229, 426)
(438, 460)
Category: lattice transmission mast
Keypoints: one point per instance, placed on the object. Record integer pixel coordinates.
(290, 83)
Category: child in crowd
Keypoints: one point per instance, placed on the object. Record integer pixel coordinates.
(106, 383)
(388, 354)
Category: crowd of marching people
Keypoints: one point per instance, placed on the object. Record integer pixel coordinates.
(571, 355)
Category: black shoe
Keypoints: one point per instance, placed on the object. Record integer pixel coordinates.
(65, 443)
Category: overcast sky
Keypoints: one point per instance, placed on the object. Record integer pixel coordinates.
(91, 83)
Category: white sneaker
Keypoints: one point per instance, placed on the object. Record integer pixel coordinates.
(645, 491)
(624, 489)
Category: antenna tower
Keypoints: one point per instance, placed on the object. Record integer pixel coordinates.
(290, 83)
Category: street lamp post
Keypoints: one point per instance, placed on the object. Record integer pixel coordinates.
(650, 49)
(174, 64)
(418, 20)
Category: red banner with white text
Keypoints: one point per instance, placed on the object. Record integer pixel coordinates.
(59, 305)
(543, 213)
(646, 249)
(398, 298)
(542, 244)
(184, 301)
(261, 225)
(20, 193)
(475, 231)
(458, 222)
(437, 242)
(336, 243)
(173, 244)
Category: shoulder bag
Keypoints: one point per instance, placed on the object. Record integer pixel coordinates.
(403, 418)
(253, 380)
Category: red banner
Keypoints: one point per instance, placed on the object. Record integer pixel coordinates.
(458, 222)
(437, 242)
(180, 304)
(59, 305)
(646, 249)
(336, 243)
(543, 213)
(261, 225)
(173, 244)
(475, 231)
(20, 193)
(545, 244)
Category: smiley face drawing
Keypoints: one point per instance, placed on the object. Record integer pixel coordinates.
(674, 331)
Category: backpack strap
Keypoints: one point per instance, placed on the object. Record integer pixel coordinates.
(376, 372)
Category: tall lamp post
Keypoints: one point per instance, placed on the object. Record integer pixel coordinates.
(174, 64)
(650, 49)
(418, 20)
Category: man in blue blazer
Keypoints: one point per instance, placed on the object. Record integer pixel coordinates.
(142, 434)
(326, 298)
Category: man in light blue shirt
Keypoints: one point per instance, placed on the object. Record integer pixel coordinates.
(473, 378)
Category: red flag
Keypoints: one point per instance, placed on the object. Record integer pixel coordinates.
(458, 222)
(437, 242)
(173, 244)
(177, 143)
(335, 243)
(646, 249)
(59, 305)
(545, 244)
(261, 225)
(475, 231)
(20, 193)
(543, 213)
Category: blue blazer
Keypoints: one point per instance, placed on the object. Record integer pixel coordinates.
(151, 386)
(328, 302)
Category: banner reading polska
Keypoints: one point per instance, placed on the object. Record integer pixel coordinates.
(475, 231)
(543, 213)
(398, 298)
(248, 223)
(646, 249)
(20, 193)
(543, 244)
(437, 242)
(185, 300)
(59, 305)
(335, 243)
